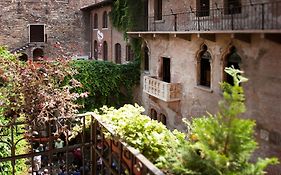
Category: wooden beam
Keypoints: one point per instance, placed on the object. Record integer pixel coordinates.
(245, 37)
(210, 37)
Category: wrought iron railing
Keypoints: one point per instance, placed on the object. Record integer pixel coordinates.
(90, 152)
(162, 90)
(263, 16)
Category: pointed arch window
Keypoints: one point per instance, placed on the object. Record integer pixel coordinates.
(96, 21)
(204, 67)
(232, 59)
(104, 20)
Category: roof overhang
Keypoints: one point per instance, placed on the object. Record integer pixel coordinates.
(97, 5)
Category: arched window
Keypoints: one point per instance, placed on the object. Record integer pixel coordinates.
(153, 114)
(104, 20)
(163, 119)
(232, 7)
(203, 8)
(95, 49)
(105, 51)
(129, 53)
(204, 67)
(232, 59)
(146, 58)
(118, 53)
(96, 21)
(38, 54)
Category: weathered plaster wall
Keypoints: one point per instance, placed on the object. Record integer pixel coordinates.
(65, 26)
(260, 61)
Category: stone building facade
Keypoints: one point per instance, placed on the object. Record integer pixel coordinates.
(107, 43)
(188, 44)
(44, 28)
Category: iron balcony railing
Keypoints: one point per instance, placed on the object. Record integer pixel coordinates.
(167, 92)
(263, 16)
(90, 152)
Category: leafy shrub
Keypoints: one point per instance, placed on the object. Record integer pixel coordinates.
(222, 143)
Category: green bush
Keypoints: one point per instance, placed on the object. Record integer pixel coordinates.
(220, 144)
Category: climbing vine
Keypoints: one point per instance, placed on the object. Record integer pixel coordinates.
(106, 83)
(127, 15)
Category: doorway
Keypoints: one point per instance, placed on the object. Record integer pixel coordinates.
(166, 66)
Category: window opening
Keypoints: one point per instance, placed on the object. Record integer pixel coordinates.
(105, 21)
(205, 67)
(203, 8)
(105, 51)
(36, 33)
(96, 21)
(153, 114)
(166, 73)
(146, 58)
(158, 9)
(95, 49)
(232, 59)
(118, 53)
(232, 6)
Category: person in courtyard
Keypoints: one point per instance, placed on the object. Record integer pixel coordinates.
(59, 143)
(77, 157)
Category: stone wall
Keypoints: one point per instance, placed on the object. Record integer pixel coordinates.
(65, 26)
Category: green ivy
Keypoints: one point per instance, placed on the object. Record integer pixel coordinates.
(106, 83)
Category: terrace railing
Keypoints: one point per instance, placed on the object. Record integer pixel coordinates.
(263, 16)
(90, 152)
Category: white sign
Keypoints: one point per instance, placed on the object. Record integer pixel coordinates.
(99, 36)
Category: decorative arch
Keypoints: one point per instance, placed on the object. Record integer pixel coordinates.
(204, 66)
(38, 54)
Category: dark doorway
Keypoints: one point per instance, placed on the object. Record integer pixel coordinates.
(23, 57)
(37, 33)
(166, 74)
(146, 58)
(38, 54)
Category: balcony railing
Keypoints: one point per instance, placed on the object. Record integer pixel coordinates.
(168, 92)
(91, 151)
(264, 16)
